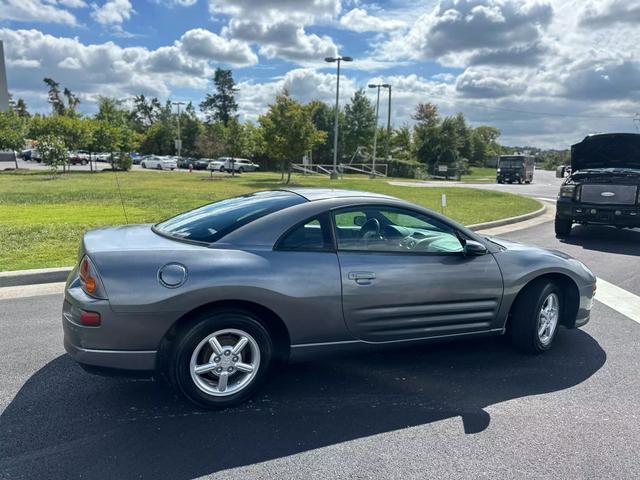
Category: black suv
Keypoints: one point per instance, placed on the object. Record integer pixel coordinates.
(604, 182)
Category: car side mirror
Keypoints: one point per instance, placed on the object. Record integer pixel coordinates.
(473, 248)
(359, 220)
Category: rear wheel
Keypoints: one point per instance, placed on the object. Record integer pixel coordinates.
(241, 170)
(222, 359)
(535, 317)
(221, 169)
(159, 167)
(143, 165)
(562, 227)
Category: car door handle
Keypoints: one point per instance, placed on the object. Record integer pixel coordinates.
(362, 277)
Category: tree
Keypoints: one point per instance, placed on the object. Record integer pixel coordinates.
(490, 137)
(212, 140)
(53, 151)
(145, 112)
(190, 128)
(288, 131)
(222, 104)
(464, 136)
(478, 149)
(21, 109)
(323, 117)
(359, 123)
(110, 110)
(72, 101)
(12, 131)
(426, 114)
(401, 147)
(54, 97)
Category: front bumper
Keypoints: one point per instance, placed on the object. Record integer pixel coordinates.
(597, 214)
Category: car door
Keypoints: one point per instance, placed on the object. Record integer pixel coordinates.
(404, 275)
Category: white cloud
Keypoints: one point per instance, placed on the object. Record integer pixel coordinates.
(71, 3)
(36, 11)
(201, 43)
(269, 10)
(359, 20)
(112, 12)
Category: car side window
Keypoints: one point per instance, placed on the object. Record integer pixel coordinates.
(310, 236)
(388, 229)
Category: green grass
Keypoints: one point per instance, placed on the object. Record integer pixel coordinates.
(42, 220)
(480, 175)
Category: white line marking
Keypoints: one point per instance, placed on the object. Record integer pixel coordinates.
(24, 291)
(618, 299)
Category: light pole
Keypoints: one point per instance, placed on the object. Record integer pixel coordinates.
(388, 139)
(375, 131)
(334, 173)
(179, 141)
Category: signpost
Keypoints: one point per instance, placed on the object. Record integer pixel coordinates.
(4, 89)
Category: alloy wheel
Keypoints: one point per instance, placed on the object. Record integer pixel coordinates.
(548, 318)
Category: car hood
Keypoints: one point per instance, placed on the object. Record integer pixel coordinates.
(611, 150)
(514, 246)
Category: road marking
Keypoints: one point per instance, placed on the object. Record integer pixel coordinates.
(619, 299)
(24, 291)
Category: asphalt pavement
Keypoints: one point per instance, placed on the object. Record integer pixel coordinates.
(474, 409)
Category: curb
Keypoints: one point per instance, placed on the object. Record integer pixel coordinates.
(508, 221)
(51, 275)
(29, 277)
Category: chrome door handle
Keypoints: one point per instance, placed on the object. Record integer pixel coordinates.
(362, 277)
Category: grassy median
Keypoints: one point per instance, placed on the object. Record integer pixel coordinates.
(42, 219)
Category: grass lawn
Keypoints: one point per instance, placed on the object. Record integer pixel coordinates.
(42, 219)
(480, 175)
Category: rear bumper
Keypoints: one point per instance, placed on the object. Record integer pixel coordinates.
(597, 214)
(142, 360)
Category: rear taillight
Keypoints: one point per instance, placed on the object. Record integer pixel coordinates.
(90, 319)
(89, 279)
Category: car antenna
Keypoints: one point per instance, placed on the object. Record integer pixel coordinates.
(124, 210)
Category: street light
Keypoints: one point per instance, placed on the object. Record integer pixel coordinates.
(388, 139)
(179, 141)
(334, 173)
(375, 131)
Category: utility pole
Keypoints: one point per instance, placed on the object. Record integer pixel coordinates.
(386, 152)
(179, 140)
(4, 89)
(334, 173)
(375, 131)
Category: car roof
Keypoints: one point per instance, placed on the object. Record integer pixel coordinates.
(314, 194)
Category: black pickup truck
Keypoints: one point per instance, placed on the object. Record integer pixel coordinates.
(604, 183)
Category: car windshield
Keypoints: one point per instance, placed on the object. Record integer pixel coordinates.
(211, 222)
(510, 162)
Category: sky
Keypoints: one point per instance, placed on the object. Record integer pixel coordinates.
(546, 72)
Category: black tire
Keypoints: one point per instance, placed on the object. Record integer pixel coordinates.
(143, 165)
(525, 317)
(562, 227)
(221, 169)
(83, 162)
(159, 167)
(198, 330)
(241, 170)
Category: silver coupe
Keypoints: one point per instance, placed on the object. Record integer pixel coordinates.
(213, 297)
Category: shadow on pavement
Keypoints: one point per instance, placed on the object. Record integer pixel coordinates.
(605, 239)
(64, 423)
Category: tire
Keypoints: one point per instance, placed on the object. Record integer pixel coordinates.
(192, 349)
(159, 167)
(83, 162)
(143, 165)
(221, 169)
(527, 317)
(241, 170)
(562, 227)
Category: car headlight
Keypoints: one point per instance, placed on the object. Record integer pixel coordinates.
(567, 191)
(498, 170)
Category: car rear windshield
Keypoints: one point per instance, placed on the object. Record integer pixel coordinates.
(212, 222)
(507, 162)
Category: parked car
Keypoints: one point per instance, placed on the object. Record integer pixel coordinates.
(227, 164)
(201, 164)
(103, 157)
(79, 157)
(212, 297)
(603, 186)
(159, 163)
(184, 162)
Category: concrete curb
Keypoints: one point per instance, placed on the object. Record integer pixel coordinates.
(508, 221)
(29, 277)
(53, 275)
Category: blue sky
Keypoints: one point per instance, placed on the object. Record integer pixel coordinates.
(546, 72)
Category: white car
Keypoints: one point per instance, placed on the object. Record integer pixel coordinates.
(240, 165)
(159, 163)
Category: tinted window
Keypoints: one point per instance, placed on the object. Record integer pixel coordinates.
(211, 222)
(385, 229)
(313, 235)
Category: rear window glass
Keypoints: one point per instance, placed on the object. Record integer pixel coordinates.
(212, 222)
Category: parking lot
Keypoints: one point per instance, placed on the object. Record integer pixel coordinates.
(472, 409)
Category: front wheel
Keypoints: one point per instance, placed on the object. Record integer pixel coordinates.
(562, 227)
(241, 170)
(535, 317)
(143, 165)
(222, 359)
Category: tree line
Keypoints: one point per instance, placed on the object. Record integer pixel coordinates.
(286, 132)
